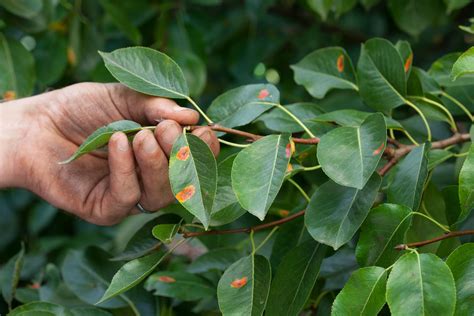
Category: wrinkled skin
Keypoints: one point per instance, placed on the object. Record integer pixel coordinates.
(103, 188)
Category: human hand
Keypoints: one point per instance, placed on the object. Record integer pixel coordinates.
(40, 131)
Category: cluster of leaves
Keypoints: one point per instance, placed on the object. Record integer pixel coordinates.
(326, 157)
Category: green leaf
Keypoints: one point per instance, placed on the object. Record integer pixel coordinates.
(165, 232)
(102, 136)
(464, 64)
(244, 286)
(148, 71)
(421, 284)
(17, 69)
(452, 5)
(349, 155)
(381, 74)
(414, 16)
(216, 259)
(438, 156)
(194, 70)
(385, 227)
(193, 176)
(50, 309)
(279, 121)
(368, 4)
(325, 69)
(461, 263)
(295, 278)
(363, 294)
(50, 56)
(335, 212)
(441, 70)
(240, 106)
(226, 208)
(349, 117)
(258, 173)
(406, 53)
(10, 275)
(409, 178)
(466, 185)
(321, 7)
(23, 8)
(180, 285)
(121, 20)
(131, 274)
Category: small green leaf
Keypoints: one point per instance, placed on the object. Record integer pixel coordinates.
(10, 275)
(216, 259)
(321, 7)
(464, 65)
(363, 294)
(102, 136)
(23, 8)
(441, 71)
(295, 278)
(466, 185)
(119, 17)
(461, 263)
(368, 4)
(148, 71)
(165, 232)
(50, 309)
(438, 156)
(414, 16)
(180, 285)
(325, 69)
(335, 212)
(349, 155)
(131, 274)
(421, 284)
(242, 105)
(381, 74)
(355, 118)
(244, 286)
(279, 121)
(258, 173)
(193, 176)
(385, 227)
(409, 178)
(404, 49)
(452, 5)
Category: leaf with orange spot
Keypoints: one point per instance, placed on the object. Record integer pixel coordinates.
(71, 56)
(379, 149)
(340, 63)
(283, 213)
(408, 63)
(238, 283)
(9, 95)
(263, 94)
(166, 279)
(193, 176)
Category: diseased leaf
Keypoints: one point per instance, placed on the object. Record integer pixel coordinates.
(240, 106)
(295, 278)
(325, 69)
(421, 284)
(385, 227)
(258, 173)
(409, 178)
(461, 263)
(102, 136)
(148, 71)
(335, 212)
(363, 294)
(349, 155)
(466, 185)
(244, 286)
(193, 176)
(406, 53)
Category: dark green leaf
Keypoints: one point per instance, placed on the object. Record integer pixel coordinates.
(384, 228)
(349, 155)
(335, 213)
(414, 16)
(325, 69)
(466, 185)
(464, 64)
(421, 284)
(24, 8)
(321, 7)
(295, 278)
(452, 5)
(50, 309)
(353, 118)
(165, 232)
(10, 275)
(218, 259)
(121, 20)
(193, 176)
(369, 3)
(363, 294)
(194, 70)
(147, 71)
(406, 53)
(438, 156)
(279, 121)
(441, 69)
(258, 173)
(461, 263)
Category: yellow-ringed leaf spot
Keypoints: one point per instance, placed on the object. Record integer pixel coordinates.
(34, 286)
(263, 94)
(186, 193)
(71, 56)
(9, 95)
(290, 149)
(166, 279)
(289, 168)
(340, 63)
(183, 153)
(378, 150)
(283, 213)
(408, 62)
(238, 283)
(58, 27)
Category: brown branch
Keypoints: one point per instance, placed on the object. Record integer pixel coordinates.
(430, 241)
(245, 229)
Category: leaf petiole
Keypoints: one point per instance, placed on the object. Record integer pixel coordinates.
(443, 227)
(423, 118)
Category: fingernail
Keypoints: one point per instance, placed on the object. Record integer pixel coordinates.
(180, 109)
(122, 142)
(171, 132)
(149, 144)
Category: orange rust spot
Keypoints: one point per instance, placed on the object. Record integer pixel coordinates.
(290, 149)
(289, 168)
(183, 153)
(9, 95)
(408, 62)
(166, 279)
(340, 63)
(284, 213)
(34, 286)
(186, 193)
(71, 56)
(378, 150)
(58, 26)
(263, 94)
(238, 283)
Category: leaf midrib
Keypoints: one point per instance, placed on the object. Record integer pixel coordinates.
(353, 85)
(370, 293)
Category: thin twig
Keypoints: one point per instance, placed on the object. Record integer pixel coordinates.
(430, 241)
